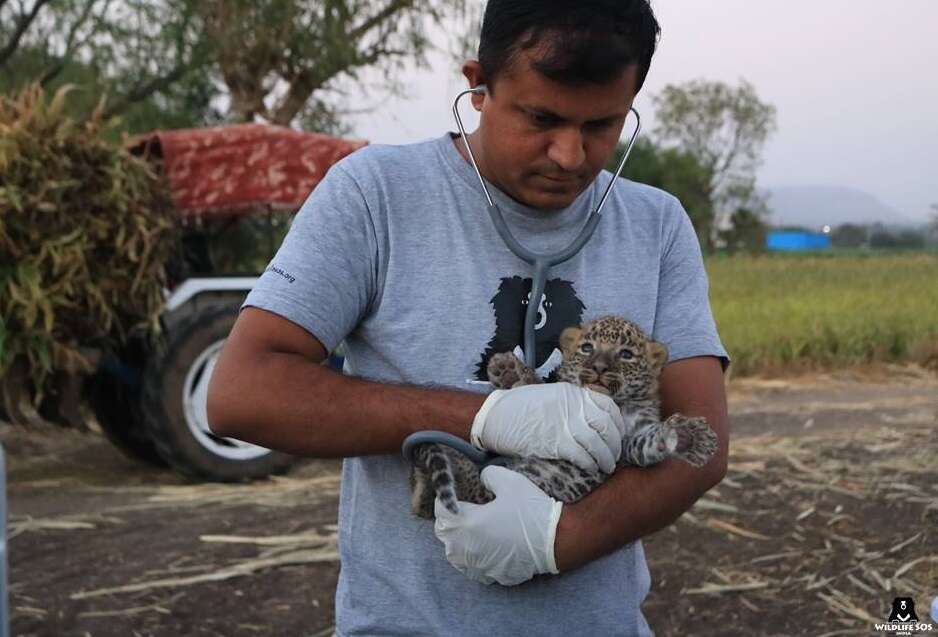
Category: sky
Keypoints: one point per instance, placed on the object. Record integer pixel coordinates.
(855, 84)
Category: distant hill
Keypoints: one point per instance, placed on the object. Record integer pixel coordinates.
(816, 206)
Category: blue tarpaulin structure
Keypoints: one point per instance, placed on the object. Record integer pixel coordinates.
(796, 241)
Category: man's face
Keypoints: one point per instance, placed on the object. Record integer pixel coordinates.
(544, 142)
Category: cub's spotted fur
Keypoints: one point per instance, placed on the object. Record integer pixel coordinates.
(610, 355)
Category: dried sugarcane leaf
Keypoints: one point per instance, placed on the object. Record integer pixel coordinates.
(65, 194)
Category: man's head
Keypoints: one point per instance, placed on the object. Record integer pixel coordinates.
(561, 76)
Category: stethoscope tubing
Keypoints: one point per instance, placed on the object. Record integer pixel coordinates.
(541, 263)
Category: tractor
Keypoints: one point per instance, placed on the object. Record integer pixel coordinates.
(236, 189)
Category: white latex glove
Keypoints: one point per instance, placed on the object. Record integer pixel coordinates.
(554, 420)
(508, 540)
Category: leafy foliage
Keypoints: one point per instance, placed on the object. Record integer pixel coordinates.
(725, 128)
(675, 171)
(148, 56)
(166, 63)
(747, 233)
(850, 235)
(85, 231)
(284, 59)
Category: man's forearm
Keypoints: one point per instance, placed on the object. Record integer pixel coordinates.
(289, 403)
(637, 501)
(631, 504)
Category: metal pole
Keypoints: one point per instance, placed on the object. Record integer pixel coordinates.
(4, 589)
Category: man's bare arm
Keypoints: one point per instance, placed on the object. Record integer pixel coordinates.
(269, 388)
(637, 501)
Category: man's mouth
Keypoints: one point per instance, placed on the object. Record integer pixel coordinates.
(559, 180)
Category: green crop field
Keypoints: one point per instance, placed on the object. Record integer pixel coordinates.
(813, 311)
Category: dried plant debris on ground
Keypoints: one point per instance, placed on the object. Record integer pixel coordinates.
(808, 535)
(814, 531)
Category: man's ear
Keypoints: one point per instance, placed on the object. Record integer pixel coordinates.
(657, 354)
(472, 70)
(569, 338)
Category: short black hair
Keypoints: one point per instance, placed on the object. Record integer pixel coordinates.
(583, 41)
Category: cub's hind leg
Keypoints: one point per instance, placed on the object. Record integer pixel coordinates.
(441, 472)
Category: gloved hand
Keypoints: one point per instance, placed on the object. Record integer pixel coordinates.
(508, 540)
(555, 420)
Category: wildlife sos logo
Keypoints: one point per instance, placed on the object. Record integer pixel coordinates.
(903, 620)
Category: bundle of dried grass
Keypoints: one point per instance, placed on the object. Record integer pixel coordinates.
(85, 233)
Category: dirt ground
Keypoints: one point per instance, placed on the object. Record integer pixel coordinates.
(828, 512)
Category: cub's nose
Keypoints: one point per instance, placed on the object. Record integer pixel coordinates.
(600, 366)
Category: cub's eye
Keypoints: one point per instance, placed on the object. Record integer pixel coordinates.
(586, 348)
(626, 355)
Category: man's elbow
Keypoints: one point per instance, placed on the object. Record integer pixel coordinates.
(220, 411)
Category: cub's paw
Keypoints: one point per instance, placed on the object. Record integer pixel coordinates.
(505, 371)
(695, 441)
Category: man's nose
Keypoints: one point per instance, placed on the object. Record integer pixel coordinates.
(566, 149)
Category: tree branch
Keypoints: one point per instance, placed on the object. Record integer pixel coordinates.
(145, 90)
(70, 46)
(25, 20)
(378, 18)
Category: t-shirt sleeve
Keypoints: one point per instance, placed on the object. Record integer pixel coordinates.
(323, 277)
(683, 319)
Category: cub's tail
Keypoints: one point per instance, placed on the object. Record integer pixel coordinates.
(432, 459)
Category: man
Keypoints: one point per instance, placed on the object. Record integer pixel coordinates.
(395, 254)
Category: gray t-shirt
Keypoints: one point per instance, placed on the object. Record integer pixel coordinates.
(395, 253)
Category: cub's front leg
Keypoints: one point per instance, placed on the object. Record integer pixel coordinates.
(684, 437)
(506, 370)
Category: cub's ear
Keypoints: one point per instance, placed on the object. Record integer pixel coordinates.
(657, 354)
(569, 339)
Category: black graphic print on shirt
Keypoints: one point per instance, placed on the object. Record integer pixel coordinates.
(558, 308)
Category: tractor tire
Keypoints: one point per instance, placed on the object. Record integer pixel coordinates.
(175, 384)
(116, 407)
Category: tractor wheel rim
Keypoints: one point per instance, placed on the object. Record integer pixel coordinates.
(195, 397)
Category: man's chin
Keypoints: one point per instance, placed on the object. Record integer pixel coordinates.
(546, 200)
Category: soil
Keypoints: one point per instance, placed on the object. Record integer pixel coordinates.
(828, 512)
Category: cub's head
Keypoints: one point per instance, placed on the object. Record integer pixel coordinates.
(613, 356)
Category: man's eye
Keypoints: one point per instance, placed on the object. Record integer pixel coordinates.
(586, 348)
(626, 355)
(542, 120)
(600, 125)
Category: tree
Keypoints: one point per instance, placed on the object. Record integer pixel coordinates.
(147, 56)
(677, 172)
(850, 235)
(725, 128)
(932, 231)
(281, 59)
(904, 239)
(746, 233)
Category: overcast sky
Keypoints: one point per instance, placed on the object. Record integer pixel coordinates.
(855, 83)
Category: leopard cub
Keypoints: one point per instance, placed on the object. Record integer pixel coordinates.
(610, 355)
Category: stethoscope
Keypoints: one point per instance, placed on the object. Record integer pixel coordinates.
(541, 264)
